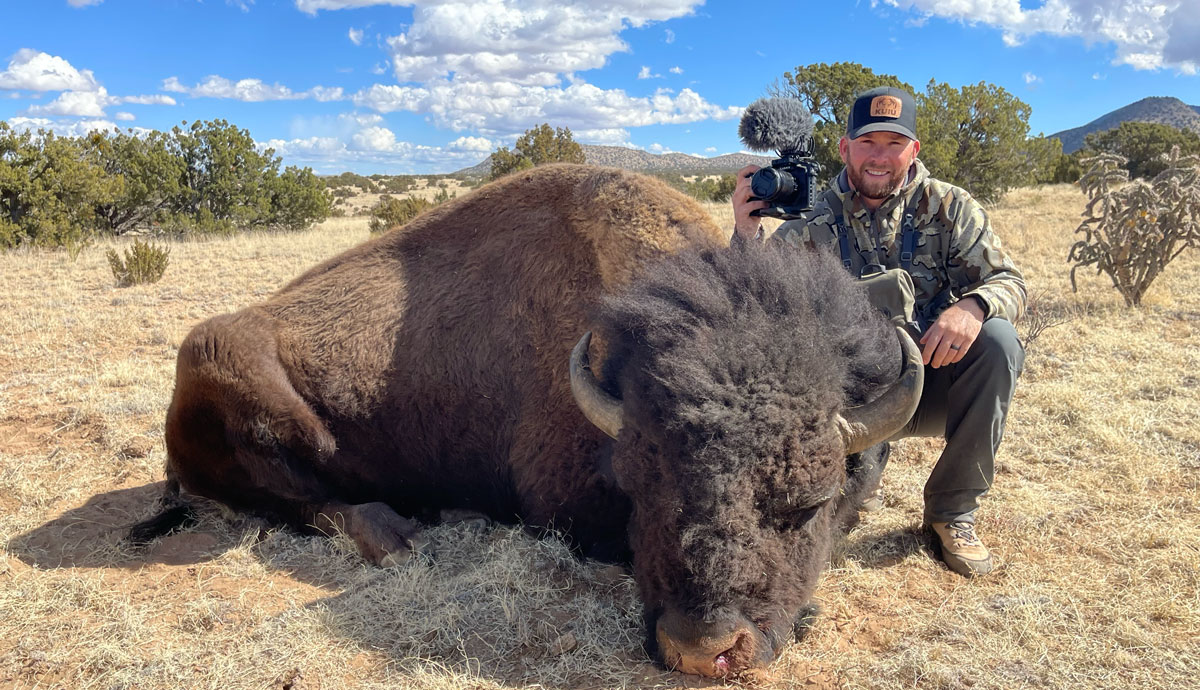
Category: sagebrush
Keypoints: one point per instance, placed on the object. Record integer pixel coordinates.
(1133, 230)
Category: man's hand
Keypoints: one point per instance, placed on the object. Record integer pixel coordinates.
(949, 338)
(745, 224)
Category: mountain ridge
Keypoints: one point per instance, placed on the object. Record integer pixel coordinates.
(1166, 110)
(644, 161)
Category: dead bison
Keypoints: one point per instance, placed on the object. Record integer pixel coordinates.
(445, 366)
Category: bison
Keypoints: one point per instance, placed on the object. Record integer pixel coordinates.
(726, 436)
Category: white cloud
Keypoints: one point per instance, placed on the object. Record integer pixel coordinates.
(313, 6)
(356, 36)
(644, 73)
(83, 3)
(325, 94)
(334, 155)
(77, 104)
(249, 90)
(676, 70)
(710, 149)
(1098, 77)
(125, 117)
(473, 144)
(529, 42)
(36, 71)
(243, 5)
(64, 128)
(379, 68)
(374, 139)
(154, 99)
(504, 108)
(658, 148)
(670, 36)
(1147, 34)
(1031, 78)
(613, 136)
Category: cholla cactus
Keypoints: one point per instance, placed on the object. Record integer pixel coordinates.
(1132, 231)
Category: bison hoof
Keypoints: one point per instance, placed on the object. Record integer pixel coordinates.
(383, 536)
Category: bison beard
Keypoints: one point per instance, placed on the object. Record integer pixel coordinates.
(427, 370)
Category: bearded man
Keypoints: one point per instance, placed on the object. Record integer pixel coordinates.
(883, 211)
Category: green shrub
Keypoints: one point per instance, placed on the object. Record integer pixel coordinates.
(390, 213)
(144, 262)
(1132, 231)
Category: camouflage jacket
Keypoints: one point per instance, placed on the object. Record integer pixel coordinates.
(956, 253)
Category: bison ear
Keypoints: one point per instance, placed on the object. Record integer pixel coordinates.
(601, 409)
(863, 427)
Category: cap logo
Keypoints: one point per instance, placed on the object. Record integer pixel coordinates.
(885, 106)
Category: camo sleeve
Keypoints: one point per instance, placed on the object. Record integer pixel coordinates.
(794, 232)
(978, 264)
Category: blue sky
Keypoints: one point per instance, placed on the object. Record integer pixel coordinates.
(424, 86)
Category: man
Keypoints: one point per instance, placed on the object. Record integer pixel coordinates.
(968, 293)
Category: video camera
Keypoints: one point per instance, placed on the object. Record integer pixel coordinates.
(790, 184)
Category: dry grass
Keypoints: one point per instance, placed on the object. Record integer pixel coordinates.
(1093, 517)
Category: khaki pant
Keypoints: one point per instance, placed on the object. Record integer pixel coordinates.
(967, 403)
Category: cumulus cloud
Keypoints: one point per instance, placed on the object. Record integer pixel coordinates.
(37, 71)
(64, 128)
(334, 154)
(77, 104)
(83, 3)
(612, 136)
(473, 144)
(1031, 78)
(356, 36)
(644, 73)
(502, 108)
(1147, 34)
(676, 70)
(125, 117)
(670, 36)
(249, 90)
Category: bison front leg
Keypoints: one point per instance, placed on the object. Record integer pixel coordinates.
(383, 536)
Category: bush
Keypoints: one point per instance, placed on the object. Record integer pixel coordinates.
(390, 213)
(1132, 231)
(144, 262)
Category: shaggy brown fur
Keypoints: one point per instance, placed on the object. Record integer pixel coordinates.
(428, 369)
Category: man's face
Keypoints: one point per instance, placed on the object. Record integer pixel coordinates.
(877, 162)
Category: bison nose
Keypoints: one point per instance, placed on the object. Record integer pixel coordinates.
(715, 647)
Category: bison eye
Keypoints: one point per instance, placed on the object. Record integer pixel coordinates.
(782, 516)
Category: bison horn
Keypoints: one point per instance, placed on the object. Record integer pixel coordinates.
(863, 427)
(597, 405)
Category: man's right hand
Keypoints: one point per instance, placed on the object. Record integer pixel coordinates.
(745, 224)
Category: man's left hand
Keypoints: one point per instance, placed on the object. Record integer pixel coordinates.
(949, 338)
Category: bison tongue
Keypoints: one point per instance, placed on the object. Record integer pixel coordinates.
(722, 664)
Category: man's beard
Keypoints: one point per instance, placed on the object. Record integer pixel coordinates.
(876, 187)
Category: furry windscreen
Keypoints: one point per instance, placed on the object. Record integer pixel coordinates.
(779, 124)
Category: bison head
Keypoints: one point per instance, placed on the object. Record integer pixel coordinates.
(736, 384)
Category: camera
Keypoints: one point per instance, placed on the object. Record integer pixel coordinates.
(789, 185)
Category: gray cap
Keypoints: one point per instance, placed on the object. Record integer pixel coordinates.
(883, 109)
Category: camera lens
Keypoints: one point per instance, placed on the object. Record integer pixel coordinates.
(770, 184)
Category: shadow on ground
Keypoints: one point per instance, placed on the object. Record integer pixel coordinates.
(494, 602)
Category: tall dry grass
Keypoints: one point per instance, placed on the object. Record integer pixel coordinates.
(1093, 517)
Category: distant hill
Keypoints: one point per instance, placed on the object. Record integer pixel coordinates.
(1161, 109)
(641, 161)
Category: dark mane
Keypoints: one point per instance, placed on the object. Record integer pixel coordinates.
(752, 318)
(739, 357)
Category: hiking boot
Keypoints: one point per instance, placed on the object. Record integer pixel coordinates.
(874, 500)
(957, 545)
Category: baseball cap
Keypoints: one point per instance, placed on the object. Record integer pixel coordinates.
(883, 109)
